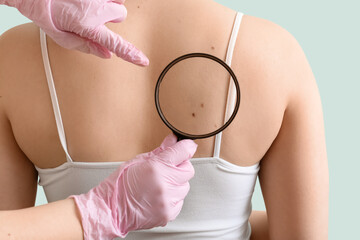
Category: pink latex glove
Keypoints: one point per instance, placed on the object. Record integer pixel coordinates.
(145, 192)
(79, 24)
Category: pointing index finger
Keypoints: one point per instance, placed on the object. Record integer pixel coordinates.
(122, 48)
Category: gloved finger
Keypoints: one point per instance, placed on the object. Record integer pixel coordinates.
(73, 41)
(95, 49)
(178, 153)
(180, 174)
(176, 210)
(119, 1)
(114, 12)
(100, 51)
(178, 193)
(168, 141)
(116, 44)
(185, 172)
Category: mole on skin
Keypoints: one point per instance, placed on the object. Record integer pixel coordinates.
(212, 47)
(201, 105)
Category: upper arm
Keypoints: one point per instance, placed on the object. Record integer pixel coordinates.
(18, 176)
(294, 171)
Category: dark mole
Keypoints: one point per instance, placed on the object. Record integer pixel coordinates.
(212, 47)
(138, 6)
(202, 105)
(193, 114)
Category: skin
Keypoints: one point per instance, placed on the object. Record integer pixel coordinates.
(108, 111)
(66, 224)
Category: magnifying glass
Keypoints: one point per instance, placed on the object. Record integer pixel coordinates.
(197, 96)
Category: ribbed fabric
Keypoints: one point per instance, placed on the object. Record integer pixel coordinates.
(218, 204)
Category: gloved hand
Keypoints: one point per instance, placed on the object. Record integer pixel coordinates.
(145, 192)
(76, 24)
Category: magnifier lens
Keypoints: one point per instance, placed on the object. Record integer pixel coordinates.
(193, 95)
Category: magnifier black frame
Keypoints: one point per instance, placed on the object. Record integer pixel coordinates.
(180, 134)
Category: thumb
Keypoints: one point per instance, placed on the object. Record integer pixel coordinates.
(168, 141)
(178, 153)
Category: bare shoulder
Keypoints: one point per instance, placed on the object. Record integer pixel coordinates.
(271, 50)
(271, 67)
(24, 37)
(267, 33)
(279, 54)
(19, 45)
(274, 58)
(20, 58)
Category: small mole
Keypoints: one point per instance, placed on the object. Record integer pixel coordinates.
(9, 234)
(138, 6)
(215, 125)
(202, 105)
(212, 47)
(193, 114)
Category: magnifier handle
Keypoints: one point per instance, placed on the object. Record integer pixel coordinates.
(179, 136)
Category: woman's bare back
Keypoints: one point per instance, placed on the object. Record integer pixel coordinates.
(107, 105)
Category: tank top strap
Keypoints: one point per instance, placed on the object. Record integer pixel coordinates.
(231, 98)
(54, 99)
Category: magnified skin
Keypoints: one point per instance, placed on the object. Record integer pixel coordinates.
(183, 87)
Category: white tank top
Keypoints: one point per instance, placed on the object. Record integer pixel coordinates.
(218, 204)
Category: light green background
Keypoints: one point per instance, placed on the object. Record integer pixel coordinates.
(329, 34)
